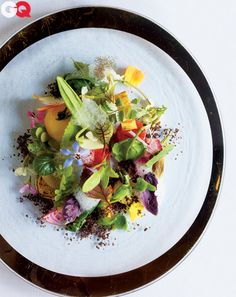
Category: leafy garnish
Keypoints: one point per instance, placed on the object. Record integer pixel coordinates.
(66, 186)
(69, 96)
(93, 117)
(153, 114)
(142, 185)
(99, 193)
(122, 192)
(129, 149)
(107, 172)
(92, 181)
(44, 165)
(104, 131)
(69, 133)
(36, 147)
(149, 201)
(160, 155)
(118, 222)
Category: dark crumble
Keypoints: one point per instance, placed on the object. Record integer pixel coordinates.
(53, 90)
(22, 145)
(43, 205)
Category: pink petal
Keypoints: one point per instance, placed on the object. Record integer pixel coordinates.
(154, 146)
(33, 190)
(54, 217)
(24, 188)
(41, 116)
(32, 123)
(30, 114)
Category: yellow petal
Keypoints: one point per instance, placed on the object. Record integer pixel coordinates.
(133, 75)
(129, 125)
(135, 211)
(123, 96)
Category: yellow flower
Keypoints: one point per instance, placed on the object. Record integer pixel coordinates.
(135, 211)
(123, 96)
(129, 125)
(133, 75)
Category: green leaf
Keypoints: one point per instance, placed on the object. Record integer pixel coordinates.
(81, 67)
(107, 172)
(160, 155)
(119, 222)
(66, 186)
(35, 147)
(80, 221)
(142, 185)
(153, 114)
(122, 192)
(104, 131)
(78, 84)
(69, 96)
(92, 181)
(44, 165)
(69, 133)
(129, 149)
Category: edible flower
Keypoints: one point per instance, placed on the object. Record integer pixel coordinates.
(28, 188)
(76, 155)
(133, 75)
(54, 217)
(135, 211)
(36, 117)
(71, 210)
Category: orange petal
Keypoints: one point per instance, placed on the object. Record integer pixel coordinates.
(133, 75)
(49, 106)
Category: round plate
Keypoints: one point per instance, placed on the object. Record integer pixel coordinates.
(191, 182)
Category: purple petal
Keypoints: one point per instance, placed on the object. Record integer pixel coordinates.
(71, 210)
(24, 188)
(84, 153)
(79, 162)
(66, 152)
(149, 201)
(68, 162)
(75, 147)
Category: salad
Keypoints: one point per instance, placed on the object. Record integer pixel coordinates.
(94, 148)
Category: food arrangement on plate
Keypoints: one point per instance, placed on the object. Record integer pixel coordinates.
(95, 149)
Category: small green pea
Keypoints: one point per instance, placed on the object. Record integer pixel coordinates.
(44, 137)
(38, 132)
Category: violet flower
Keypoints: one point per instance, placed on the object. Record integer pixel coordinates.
(76, 155)
(28, 188)
(71, 210)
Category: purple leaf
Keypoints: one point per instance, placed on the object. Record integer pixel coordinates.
(149, 201)
(151, 178)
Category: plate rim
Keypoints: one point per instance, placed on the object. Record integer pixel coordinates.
(84, 286)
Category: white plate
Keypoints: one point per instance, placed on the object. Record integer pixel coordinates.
(182, 189)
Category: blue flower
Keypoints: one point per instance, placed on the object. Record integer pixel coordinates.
(76, 155)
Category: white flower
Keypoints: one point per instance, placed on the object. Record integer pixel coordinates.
(21, 171)
(84, 91)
